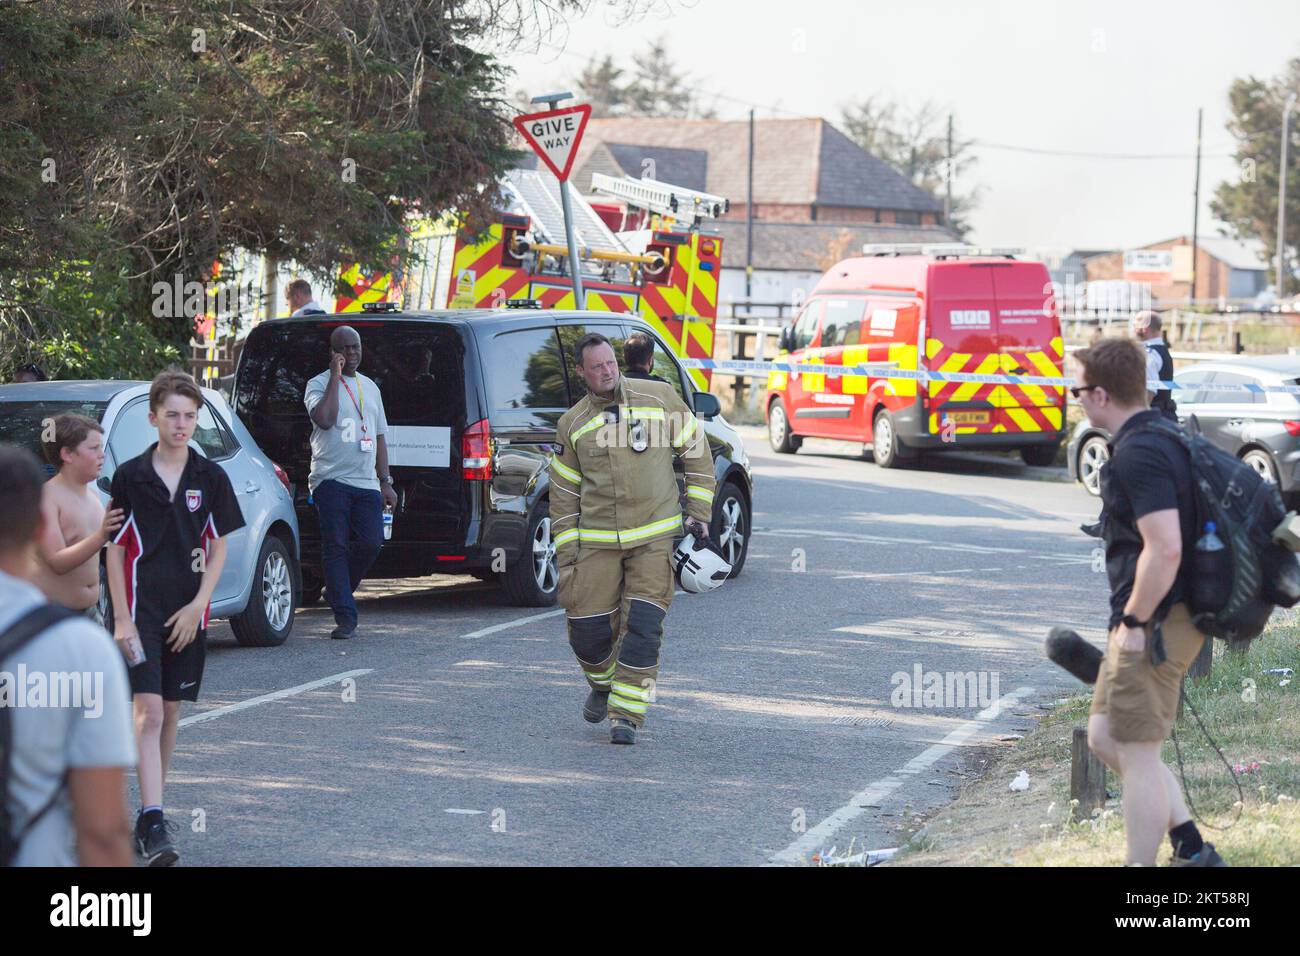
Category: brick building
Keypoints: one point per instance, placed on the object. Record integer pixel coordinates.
(1225, 269)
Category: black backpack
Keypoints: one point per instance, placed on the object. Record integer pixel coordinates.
(1245, 509)
(28, 627)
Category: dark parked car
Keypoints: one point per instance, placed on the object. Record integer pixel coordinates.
(472, 400)
(1261, 428)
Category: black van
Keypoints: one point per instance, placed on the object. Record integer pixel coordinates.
(472, 399)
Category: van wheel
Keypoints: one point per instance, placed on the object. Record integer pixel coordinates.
(268, 618)
(730, 526)
(778, 430)
(886, 449)
(1040, 456)
(532, 580)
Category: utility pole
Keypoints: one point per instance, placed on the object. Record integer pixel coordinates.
(749, 217)
(947, 198)
(1196, 208)
(1281, 199)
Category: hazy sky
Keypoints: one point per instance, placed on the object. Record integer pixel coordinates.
(1096, 77)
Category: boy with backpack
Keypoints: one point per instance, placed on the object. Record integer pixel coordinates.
(163, 566)
(62, 765)
(1149, 516)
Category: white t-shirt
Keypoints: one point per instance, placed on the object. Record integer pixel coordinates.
(337, 453)
(94, 730)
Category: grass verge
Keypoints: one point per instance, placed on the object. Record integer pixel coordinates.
(1254, 717)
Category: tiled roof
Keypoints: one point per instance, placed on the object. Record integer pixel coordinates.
(796, 161)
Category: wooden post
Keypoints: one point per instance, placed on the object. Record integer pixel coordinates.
(1203, 661)
(1087, 777)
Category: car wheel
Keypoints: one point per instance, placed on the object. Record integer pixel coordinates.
(730, 526)
(885, 447)
(1040, 456)
(778, 430)
(1092, 455)
(268, 618)
(532, 580)
(1262, 462)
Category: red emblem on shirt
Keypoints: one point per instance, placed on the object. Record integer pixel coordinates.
(193, 499)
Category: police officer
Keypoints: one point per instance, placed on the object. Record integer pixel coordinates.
(639, 358)
(615, 511)
(1147, 329)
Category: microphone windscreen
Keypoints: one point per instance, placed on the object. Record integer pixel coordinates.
(1069, 650)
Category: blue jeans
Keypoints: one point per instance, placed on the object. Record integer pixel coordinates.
(351, 534)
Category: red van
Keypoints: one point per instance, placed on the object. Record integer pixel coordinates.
(940, 308)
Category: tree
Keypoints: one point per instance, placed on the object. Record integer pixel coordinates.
(915, 143)
(1249, 205)
(656, 87)
(600, 84)
(145, 141)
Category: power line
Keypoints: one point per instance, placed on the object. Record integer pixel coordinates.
(1080, 154)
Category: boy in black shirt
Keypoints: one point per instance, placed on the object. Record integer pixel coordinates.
(1148, 518)
(163, 566)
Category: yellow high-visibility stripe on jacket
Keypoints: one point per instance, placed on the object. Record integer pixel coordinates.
(604, 494)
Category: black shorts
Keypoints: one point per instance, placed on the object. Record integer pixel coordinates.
(174, 676)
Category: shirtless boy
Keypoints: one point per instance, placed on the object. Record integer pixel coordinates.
(76, 525)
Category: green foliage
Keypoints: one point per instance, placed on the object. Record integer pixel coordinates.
(1249, 205)
(143, 141)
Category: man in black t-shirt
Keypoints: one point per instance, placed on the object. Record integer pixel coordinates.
(1147, 523)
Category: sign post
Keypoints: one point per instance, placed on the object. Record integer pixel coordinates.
(554, 136)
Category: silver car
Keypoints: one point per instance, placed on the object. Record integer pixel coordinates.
(1261, 428)
(260, 584)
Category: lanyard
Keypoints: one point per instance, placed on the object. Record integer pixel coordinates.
(361, 407)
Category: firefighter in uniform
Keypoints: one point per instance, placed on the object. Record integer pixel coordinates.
(615, 511)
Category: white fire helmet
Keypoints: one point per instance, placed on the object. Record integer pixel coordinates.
(699, 566)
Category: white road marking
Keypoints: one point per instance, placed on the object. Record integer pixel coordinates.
(267, 698)
(518, 622)
(819, 837)
(866, 576)
(883, 539)
(466, 812)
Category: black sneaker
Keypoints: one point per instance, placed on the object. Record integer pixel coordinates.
(596, 707)
(344, 631)
(621, 731)
(153, 841)
(1206, 856)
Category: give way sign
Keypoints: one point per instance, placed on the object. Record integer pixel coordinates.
(554, 136)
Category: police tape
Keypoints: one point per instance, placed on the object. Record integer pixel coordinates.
(741, 367)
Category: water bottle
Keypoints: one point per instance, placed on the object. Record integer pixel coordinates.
(1212, 572)
(388, 523)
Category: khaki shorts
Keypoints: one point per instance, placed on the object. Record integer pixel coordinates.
(1142, 700)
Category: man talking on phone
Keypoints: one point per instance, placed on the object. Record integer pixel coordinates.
(349, 480)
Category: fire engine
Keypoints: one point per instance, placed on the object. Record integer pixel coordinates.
(644, 252)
